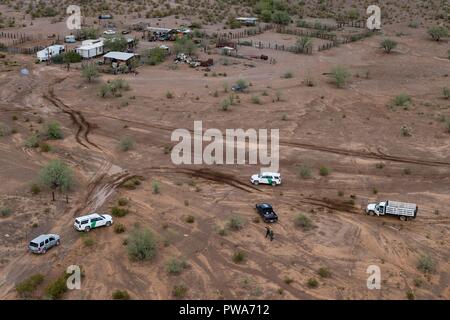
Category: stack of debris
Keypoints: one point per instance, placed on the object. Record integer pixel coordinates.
(193, 62)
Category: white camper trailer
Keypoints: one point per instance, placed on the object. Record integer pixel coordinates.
(49, 52)
(91, 48)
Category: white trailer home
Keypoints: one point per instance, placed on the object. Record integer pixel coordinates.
(91, 48)
(403, 210)
(49, 52)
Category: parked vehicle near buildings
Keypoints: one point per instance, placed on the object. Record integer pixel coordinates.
(403, 210)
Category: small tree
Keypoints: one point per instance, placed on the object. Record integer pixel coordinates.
(89, 71)
(116, 44)
(53, 131)
(184, 45)
(353, 14)
(340, 76)
(388, 45)
(141, 245)
(90, 33)
(281, 17)
(304, 44)
(438, 32)
(56, 176)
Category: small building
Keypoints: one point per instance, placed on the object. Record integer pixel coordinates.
(91, 48)
(119, 57)
(248, 21)
(70, 39)
(50, 52)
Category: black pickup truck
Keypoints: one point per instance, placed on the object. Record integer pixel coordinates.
(265, 210)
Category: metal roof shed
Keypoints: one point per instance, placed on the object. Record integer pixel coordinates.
(119, 56)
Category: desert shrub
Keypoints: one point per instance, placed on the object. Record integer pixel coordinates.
(176, 266)
(56, 289)
(119, 212)
(438, 32)
(120, 295)
(190, 219)
(118, 43)
(126, 144)
(122, 202)
(4, 130)
(446, 93)
(340, 76)
(426, 264)
(405, 131)
(35, 189)
(388, 45)
(304, 171)
(414, 24)
(304, 222)
(410, 295)
(88, 241)
(235, 223)
(287, 75)
(53, 131)
(114, 88)
(90, 33)
(45, 147)
(169, 95)
(312, 283)
(57, 176)
(225, 104)
(402, 100)
(184, 45)
(119, 228)
(141, 245)
(89, 71)
(154, 56)
(256, 100)
(324, 272)
(239, 256)
(179, 291)
(156, 189)
(71, 57)
(32, 141)
(281, 17)
(324, 171)
(27, 287)
(303, 44)
(131, 184)
(447, 125)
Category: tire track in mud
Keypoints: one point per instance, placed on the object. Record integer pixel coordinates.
(368, 155)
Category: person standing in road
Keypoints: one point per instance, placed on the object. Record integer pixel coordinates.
(268, 230)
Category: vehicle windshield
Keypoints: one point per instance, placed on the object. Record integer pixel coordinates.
(32, 244)
(102, 216)
(76, 221)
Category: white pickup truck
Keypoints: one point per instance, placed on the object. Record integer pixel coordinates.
(403, 210)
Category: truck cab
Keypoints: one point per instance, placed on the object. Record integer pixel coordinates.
(376, 208)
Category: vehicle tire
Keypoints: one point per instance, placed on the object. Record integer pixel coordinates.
(403, 218)
(87, 229)
(44, 251)
(108, 224)
(255, 183)
(274, 183)
(371, 213)
(58, 243)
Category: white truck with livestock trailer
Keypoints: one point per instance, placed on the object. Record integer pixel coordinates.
(403, 210)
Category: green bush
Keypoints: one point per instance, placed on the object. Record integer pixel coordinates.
(120, 295)
(126, 144)
(426, 264)
(35, 188)
(324, 171)
(446, 92)
(256, 100)
(402, 100)
(56, 289)
(118, 43)
(324, 272)
(179, 291)
(176, 266)
(304, 171)
(154, 56)
(89, 71)
(281, 17)
(27, 287)
(114, 88)
(88, 241)
(438, 32)
(304, 222)
(190, 219)
(184, 45)
(4, 130)
(340, 76)
(388, 45)
(155, 187)
(312, 283)
(53, 131)
(141, 245)
(119, 228)
(122, 202)
(239, 256)
(235, 223)
(119, 212)
(287, 75)
(5, 212)
(33, 141)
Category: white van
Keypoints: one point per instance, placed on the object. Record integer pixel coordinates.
(271, 178)
(70, 39)
(91, 221)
